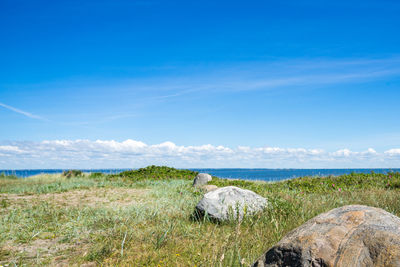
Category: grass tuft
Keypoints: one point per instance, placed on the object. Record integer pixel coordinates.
(4, 176)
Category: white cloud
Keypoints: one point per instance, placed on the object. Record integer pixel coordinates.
(10, 149)
(393, 152)
(132, 154)
(343, 153)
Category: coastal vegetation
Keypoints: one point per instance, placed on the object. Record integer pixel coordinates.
(156, 173)
(142, 217)
(72, 173)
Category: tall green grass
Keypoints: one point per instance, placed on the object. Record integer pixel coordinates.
(157, 230)
(4, 176)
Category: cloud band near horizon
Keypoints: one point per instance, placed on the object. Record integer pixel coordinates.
(88, 154)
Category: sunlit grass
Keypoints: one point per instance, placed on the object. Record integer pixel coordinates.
(157, 229)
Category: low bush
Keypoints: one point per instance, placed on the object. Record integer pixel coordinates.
(156, 173)
(72, 173)
(96, 175)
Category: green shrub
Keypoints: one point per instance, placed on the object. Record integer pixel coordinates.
(96, 175)
(72, 173)
(156, 173)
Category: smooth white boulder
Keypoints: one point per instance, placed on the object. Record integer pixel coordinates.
(202, 179)
(230, 203)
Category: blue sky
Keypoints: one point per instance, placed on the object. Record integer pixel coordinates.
(119, 79)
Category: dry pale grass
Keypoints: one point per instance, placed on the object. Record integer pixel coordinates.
(43, 244)
(96, 197)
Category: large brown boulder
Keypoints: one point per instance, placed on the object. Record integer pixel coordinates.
(348, 236)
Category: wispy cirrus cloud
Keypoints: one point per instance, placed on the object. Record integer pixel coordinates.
(252, 75)
(19, 111)
(131, 153)
(257, 76)
(200, 82)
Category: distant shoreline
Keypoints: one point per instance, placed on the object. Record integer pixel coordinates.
(259, 174)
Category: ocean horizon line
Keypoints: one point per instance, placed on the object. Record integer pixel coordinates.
(206, 168)
(266, 174)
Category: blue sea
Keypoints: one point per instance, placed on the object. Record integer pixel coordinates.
(246, 174)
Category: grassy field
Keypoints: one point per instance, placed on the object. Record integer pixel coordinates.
(142, 218)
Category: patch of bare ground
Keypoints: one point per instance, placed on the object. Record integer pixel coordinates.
(96, 197)
(47, 251)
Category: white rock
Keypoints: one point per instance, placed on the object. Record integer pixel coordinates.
(230, 202)
(202, 179)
